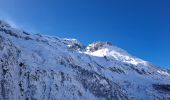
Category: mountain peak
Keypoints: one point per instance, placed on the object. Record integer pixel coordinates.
(98, 45)
(49, 68)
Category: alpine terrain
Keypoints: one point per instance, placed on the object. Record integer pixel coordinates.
(37, 67)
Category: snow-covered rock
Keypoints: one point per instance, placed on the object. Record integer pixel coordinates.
(37, 67)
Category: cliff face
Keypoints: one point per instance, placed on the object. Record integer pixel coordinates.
(36, 67)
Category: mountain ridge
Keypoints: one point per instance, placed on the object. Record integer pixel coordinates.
(40, 67)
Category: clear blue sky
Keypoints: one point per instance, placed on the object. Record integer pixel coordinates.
(142, 27)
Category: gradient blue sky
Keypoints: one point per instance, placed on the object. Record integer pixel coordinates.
(142, 27)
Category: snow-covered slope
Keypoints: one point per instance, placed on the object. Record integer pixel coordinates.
(36, 67)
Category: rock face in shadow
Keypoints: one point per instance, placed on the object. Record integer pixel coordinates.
(101, 86)
(163, 88)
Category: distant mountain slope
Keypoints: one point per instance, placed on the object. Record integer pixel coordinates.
(36, 67)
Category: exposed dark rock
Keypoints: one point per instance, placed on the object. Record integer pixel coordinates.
(117, 70)
(97, 45)
(100, 86)
(162, 88)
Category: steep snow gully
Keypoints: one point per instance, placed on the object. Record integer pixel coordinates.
(37, 67)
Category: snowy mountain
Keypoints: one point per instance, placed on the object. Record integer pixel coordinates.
(36, 67)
